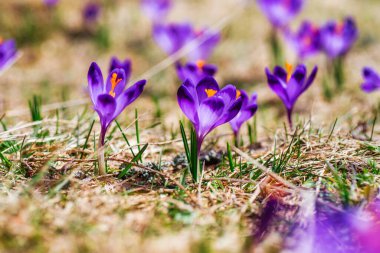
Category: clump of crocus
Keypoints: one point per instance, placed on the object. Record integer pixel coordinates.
(109, 100)
(125, 65)
(306, 41)
(247, 111)
(337, 38)
(8, 53)
(91, 12)
(279, 13)
(207, 107)
(156, 10)
(173, 37)
(195, 72)
(289, 84)
(371, 80)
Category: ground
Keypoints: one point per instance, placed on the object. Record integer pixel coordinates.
(51, 199)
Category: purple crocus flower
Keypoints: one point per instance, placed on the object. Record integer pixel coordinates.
(110, 98)
(91, 12)
(126, 65)
(156, 10)
(207, 106)
(173, 37)
(195, 72)
(306, 41)
(371, 80)
(51, 3)
(289, 85)
(280, 12)
(338, 38)
(248, 109)
(8, 53)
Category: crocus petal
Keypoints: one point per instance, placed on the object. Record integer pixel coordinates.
(280, 73)
(129, 96)
(209, 112)
(369, 73)
(205, 49)
(276, 85)
(207, 83)
(311, 78)
(125, 65)
(117, 79)
(105, 106)
(296, 82)
(187, 103)
(95, 82)
(228, 94)
(230, 112)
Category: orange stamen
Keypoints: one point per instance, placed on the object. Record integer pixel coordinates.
(289, 69)
(210, 92)
(200, 64)
(238, 94)
(114, 82)
(1, 40)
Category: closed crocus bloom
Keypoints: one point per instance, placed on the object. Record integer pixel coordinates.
(195, 72)
(91, 12)
(126, 65)
(110, 98)
(306, 41)
(156, 10)
(8, 53)
(289, 84)
(207, 106)
(280, 12)
(371, 80)
(338, 38)
(172, 37)
(247, 111)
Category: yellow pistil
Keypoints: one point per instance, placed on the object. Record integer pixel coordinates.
(238, 94)
(289, 69)
(210, 92)
(200, 64)
(114, 82)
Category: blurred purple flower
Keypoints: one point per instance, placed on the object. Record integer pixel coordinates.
(207, 106)
(51, 3)
(156, 10)
(248, 109)
(371, 80)
(91, 12)
(173, 37)
(338, 38)
(306, 41)
(195, 72)
(111, 98)
(8, 53)
(280, 12)
(126, 65)
(289, 85)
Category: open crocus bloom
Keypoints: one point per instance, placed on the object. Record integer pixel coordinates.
(306, 41)
(126, 65)
(289, 85)
(248, 109)
(338, 38)
(195, 72)
(207, 106)
(371, 80)
(8, 53)
(156, 10)
(173, 37)
(280, 12)
(111, 98)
